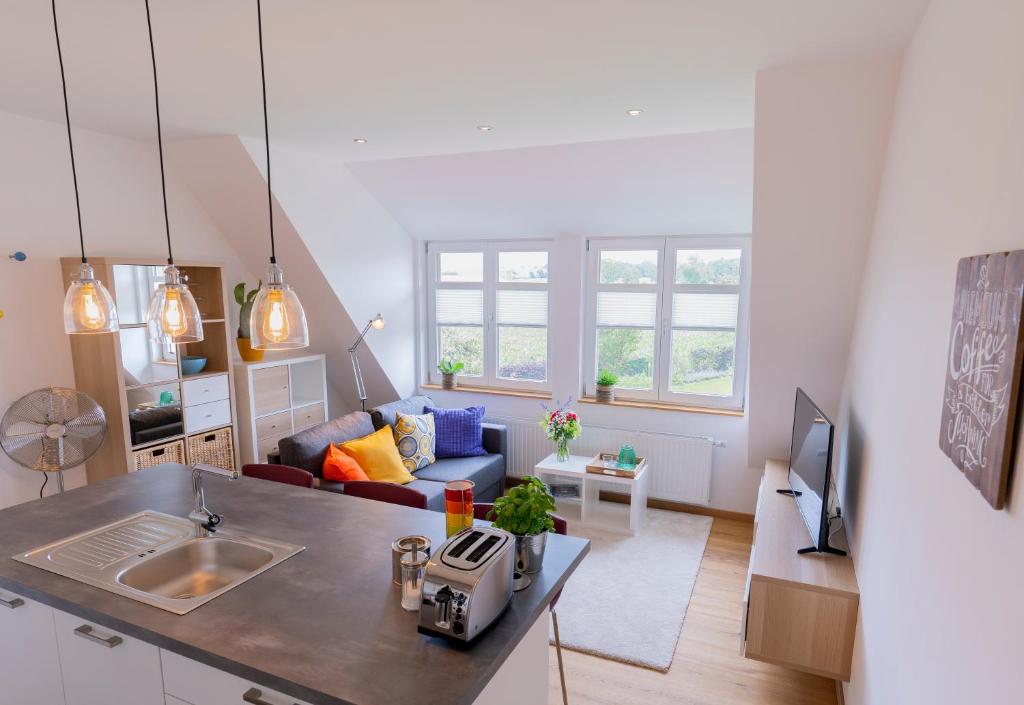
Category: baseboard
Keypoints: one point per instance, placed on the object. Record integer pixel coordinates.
(663, 504)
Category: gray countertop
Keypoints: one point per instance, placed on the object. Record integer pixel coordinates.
(325, 626)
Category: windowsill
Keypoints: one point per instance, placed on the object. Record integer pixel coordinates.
(663, 406)
(490, 390)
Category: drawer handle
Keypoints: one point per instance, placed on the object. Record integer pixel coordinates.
(85, 631)
(255, 696)
(12, 603)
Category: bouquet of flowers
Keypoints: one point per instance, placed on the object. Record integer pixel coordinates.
(561, 426)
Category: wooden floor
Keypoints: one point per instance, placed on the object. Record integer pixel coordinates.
(707, 669)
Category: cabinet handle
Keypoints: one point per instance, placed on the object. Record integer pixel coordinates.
(255, 696)
(12, 603)
(85, 631)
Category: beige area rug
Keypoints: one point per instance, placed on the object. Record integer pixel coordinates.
(628, 598)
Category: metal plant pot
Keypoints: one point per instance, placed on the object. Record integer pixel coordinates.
(448, 381)
(605, 393)
(530, 552)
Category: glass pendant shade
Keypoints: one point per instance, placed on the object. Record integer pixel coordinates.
(278, 321)
(173, 313)
(88, 307)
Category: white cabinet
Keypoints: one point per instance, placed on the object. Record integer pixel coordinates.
(276, 399)
(29, 665)
(199, 684)
(102, 667)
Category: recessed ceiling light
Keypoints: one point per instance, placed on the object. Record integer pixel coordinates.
(634, 112)
(485, 128)
(360, 140)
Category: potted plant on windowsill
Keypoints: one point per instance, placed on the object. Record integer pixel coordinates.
(245, 301)
(448, 370)
(525, 512)
(606, 382)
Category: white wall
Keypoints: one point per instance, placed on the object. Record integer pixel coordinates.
(820, 138)
(686, 184)
(361, 250)
(940, 572)
(122, 214)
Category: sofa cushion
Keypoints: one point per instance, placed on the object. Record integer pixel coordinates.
(307, 449)
(434, 492)
(340, 467)
(483, 470)
(414, 436)
(378, 457)
(384, 415)
(459, 431)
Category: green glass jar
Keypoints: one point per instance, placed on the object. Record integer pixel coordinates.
(627, 458)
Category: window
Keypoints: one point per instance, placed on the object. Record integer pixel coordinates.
(667, 317)
(488, 308)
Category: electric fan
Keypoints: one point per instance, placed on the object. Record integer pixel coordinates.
(53, 429)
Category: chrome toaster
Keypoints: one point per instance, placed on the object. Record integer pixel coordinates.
(467, 583)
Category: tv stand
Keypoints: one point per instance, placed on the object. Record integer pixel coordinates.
(827, 549)
(799, 611)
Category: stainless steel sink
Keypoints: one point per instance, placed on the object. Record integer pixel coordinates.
(157, 559)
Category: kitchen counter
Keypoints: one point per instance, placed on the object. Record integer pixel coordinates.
(324, 626)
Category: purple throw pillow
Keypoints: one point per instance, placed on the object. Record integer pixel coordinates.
(459, 433)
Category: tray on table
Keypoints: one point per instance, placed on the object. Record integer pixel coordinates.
(608, 464)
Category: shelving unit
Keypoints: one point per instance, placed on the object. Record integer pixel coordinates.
(154, 411)
(277, 399)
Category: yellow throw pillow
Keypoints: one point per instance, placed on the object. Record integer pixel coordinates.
(378, 456)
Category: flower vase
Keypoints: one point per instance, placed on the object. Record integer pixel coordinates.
(562, 451)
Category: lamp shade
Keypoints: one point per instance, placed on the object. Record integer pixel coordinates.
(278, 320)
(88, 307)
(173, 313)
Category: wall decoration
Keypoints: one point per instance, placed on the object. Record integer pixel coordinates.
(983, 368)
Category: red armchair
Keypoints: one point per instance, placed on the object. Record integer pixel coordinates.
(386, 492)
(280, 473)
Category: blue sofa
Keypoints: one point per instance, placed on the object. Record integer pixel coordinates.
(307, 450)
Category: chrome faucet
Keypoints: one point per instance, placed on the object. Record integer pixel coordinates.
(206, 521)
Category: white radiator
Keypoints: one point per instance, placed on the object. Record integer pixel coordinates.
(680, 466)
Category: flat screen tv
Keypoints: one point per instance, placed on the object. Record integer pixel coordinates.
(810, 470)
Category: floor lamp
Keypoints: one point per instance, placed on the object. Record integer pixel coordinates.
(378, 323)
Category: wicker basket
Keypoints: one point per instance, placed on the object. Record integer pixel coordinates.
(212, 448)
(173, 452)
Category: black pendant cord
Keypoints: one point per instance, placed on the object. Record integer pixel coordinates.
(67, 118)
(159, 137)
(266, 131)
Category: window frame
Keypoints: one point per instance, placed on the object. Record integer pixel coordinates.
(665, 287)
(490, 287)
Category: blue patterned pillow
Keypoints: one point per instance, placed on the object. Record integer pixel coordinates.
(414, 436)
(460, 432)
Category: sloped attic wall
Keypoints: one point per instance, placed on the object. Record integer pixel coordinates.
(346, 260)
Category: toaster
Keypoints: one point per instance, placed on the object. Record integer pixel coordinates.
(467, 583)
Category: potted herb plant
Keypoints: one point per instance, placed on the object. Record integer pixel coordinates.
(245, 301)
(561, 426)
(448, 370)
(525, 512)
(606, 382)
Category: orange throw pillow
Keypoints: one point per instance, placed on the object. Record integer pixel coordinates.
(341, 467)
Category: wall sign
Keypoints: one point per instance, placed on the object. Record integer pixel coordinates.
(983, 368)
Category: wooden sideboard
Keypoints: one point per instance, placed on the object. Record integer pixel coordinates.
(800, 611)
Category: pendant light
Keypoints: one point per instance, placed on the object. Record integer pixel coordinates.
(173, 314)
(278, 321)
(88, 307)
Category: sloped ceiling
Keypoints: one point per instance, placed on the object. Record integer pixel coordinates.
(700, 183)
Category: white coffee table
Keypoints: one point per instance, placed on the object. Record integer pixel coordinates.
(575, 468)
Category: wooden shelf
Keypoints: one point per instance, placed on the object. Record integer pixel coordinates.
(801, 610)
(662, 406)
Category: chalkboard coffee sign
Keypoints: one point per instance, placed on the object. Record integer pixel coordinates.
(983, 368)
